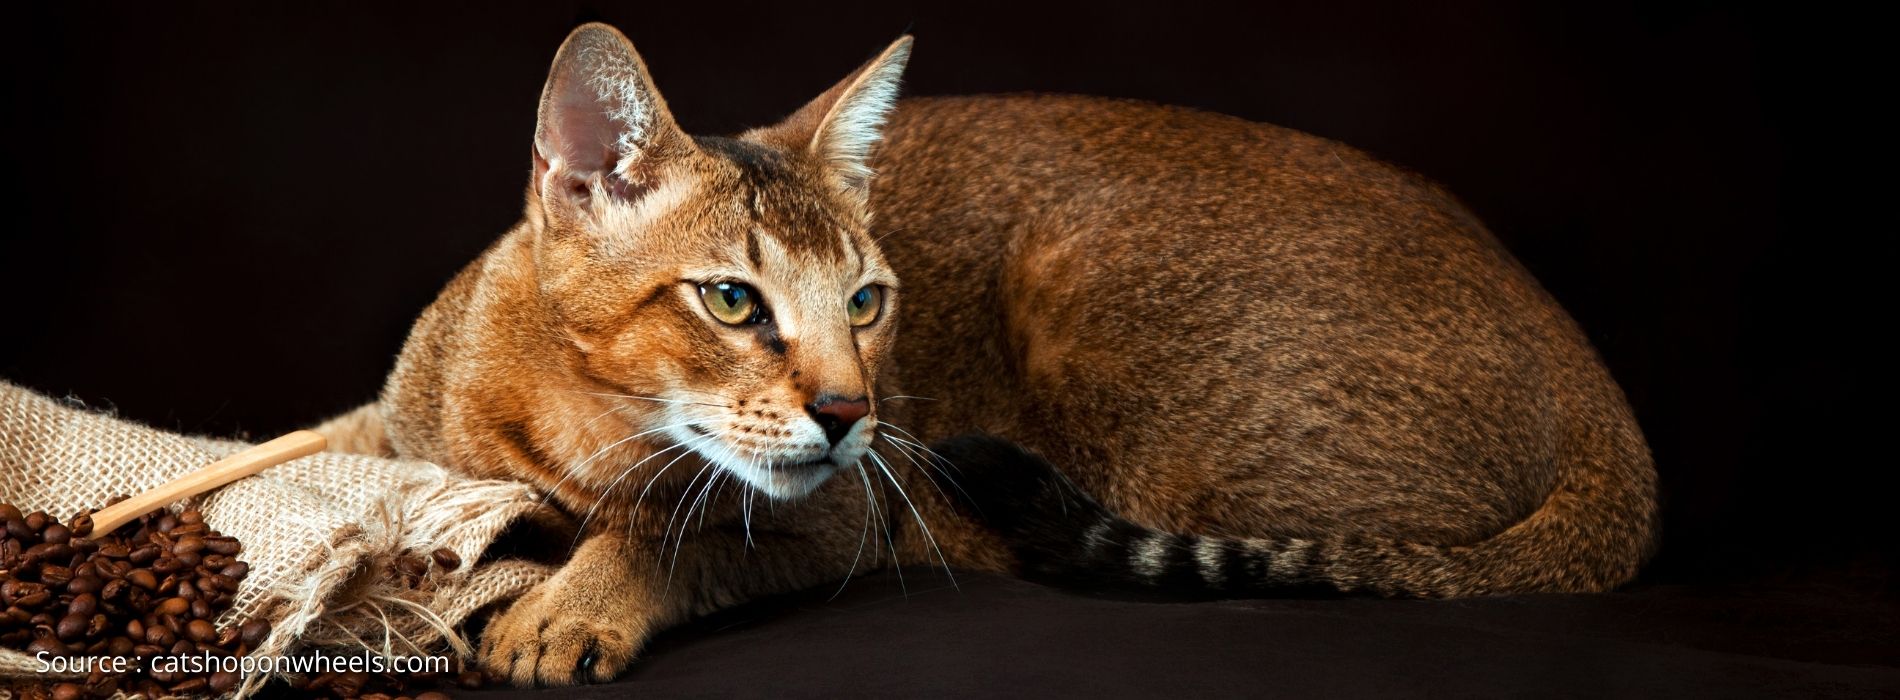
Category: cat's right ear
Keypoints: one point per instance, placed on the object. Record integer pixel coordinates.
(603, 130)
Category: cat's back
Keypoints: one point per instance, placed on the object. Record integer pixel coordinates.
(1242, 278)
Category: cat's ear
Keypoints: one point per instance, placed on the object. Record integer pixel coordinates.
(603, 129)
(843, 125)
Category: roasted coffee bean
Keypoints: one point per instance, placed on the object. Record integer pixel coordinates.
(218, 582)
(191, 686)
(189, 544)
(143, 555)
(447, 559)
(253, 633)
(56, 534)
(172, 606)
(33, 600)
(153, 587)
(83, 604)
(201, 631)
(72, 628)
(68, 691)
(227, 546)
(413, 566)
(48, 644)
(55, 575)
(223, 682)
(84, 585)
(81, 524)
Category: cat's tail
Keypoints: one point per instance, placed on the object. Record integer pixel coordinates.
(1587, 536)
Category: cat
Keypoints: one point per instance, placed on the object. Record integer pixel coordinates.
(1197, 353)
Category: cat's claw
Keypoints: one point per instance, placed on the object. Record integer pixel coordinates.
(545, 639)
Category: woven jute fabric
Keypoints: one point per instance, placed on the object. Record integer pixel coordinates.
(320, 533)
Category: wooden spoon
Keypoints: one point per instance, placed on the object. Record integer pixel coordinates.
(251, 461)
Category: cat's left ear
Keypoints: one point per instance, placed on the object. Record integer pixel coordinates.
(844, 124)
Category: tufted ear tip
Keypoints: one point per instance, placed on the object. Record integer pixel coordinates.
(600, 115)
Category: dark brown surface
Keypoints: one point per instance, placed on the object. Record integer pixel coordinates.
(994, 636)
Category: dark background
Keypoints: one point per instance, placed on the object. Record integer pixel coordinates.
(221, 219)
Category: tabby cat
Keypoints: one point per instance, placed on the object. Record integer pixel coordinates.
(1204, 355)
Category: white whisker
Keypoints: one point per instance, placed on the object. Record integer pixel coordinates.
(932, 539)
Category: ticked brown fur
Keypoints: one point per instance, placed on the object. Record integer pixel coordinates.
(1213, 326)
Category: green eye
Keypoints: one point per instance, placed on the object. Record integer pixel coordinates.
(732, 303)
(864, 305)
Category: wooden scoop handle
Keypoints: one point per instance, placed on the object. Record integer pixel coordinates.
(251, 461)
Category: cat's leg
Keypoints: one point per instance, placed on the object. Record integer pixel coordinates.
(584, 624)
(360, 431)
(587, 622)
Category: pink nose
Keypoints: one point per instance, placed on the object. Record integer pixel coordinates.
(836, 414)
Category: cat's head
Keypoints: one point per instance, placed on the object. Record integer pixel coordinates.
(728, 291)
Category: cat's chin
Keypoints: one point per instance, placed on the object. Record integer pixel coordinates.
(785, 482)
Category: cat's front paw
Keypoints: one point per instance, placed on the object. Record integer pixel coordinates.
(559, 635)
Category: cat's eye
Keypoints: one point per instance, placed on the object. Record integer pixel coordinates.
(863, 306)
(733, 303)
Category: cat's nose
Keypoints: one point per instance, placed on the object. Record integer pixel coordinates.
(836, 414)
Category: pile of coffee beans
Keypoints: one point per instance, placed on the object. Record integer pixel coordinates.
(156, 586)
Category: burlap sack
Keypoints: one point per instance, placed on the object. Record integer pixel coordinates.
(319, 533)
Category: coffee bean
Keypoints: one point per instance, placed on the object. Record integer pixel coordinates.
(254, 632)
(86, 584)
(54, 575)
(189, 544)
(72, 628)
(56, 534)
(432, 695)
(224, 682)
(447, 559)
(152, 587)
(33, 600)
(68, 691)
(48, 644)
(81, 524)
(143, 555)
(201, 631)
(172, 606)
